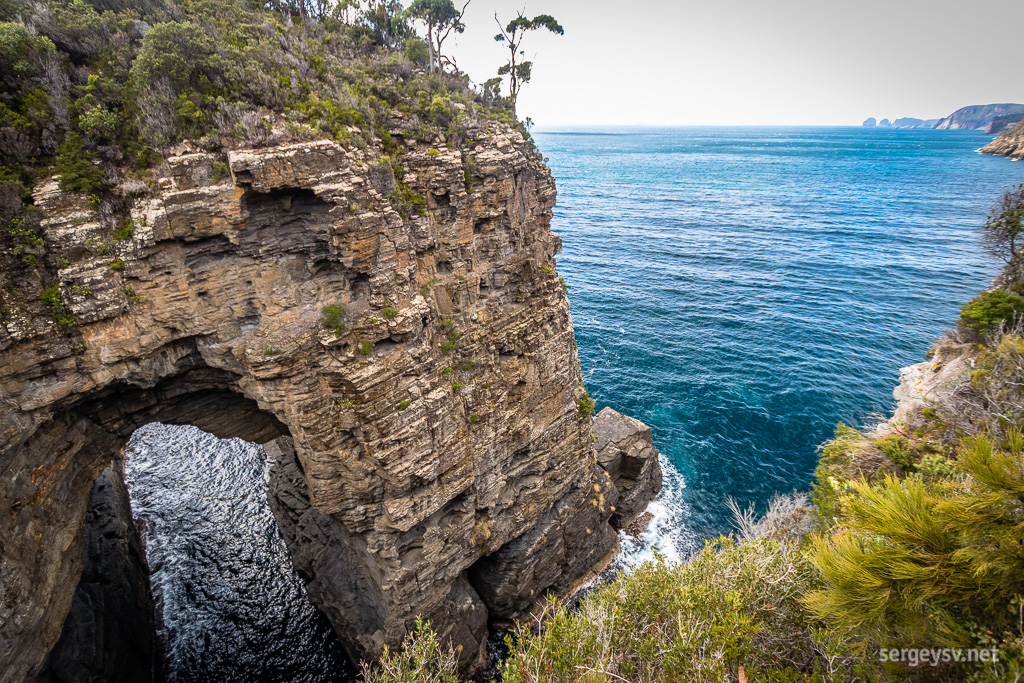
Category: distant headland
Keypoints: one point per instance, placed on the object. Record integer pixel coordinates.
(990, 118)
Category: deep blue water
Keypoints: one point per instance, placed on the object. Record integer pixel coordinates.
(742, 290)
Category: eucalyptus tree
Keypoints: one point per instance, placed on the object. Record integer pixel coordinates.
(518, 69)
(441, 18)
(1003, 233)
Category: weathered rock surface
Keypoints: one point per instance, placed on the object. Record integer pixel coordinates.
(109, 633)
(625, 451)
(441, 465)
(1010, 143)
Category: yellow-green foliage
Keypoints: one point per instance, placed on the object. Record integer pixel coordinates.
(926, 563)
(731, 605)
(899, 451)
(421, 659)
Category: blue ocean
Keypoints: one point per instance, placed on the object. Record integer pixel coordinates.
(742, 290)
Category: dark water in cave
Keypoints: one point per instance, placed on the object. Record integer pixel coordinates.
(234, 610)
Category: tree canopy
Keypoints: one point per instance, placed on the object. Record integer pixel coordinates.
(1001, 234)
(441, 18)
(518, 69)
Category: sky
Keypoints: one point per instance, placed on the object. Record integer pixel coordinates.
(748, 62)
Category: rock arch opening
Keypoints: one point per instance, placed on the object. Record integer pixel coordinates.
(184, 574)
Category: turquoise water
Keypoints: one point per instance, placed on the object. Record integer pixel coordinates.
(742, 290)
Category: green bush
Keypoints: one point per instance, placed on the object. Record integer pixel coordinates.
(899, 451)
(332, 318)
(125, 229)
(586, 405)
(183, 53)
(52, 299)
(731, 605)
(416, 51)
(366, 347)
(75, 168)
(389, 313)
(925, 563)
(987, 311)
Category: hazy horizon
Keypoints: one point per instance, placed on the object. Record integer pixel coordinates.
(573, 128)
(741, 62)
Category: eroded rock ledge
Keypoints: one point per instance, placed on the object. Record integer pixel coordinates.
(434, 459)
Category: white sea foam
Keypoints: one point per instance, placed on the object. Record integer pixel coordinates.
(667, 534)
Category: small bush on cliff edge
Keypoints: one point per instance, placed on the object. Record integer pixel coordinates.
(984, 313)
(421, 659)
(733, 607)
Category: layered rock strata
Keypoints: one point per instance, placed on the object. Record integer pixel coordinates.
(408, 337)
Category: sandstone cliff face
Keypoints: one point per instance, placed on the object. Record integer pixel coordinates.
(436, 462)
(1010, 143)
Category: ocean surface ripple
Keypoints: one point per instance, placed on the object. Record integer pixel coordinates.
(234, 609)
(742, 290)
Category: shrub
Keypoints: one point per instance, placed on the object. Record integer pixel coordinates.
(732, 605)
(98, 123)
(987, 311)
(898, 450)
(422, 659)
(404, 403)
(925, 563)
(131, 296)
(332, 318)
(416, 51)
(389, 313)
(181, 52)
(366, 347)
(75, 169)
(456, 386)
(52, 299)
(474, 418)
(125, 229)
(586, 405)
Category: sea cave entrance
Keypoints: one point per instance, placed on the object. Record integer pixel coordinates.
(185, 575)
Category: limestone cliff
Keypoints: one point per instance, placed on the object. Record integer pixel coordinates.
(436, 461)
(1010, 143)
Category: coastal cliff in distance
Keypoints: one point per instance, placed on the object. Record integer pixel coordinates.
(1010, 143)
(979, 116)
(991, 118)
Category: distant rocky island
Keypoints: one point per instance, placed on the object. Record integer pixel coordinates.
(990, 118)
